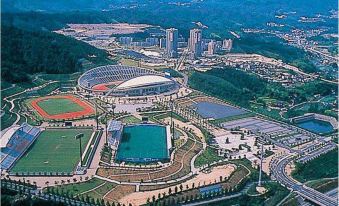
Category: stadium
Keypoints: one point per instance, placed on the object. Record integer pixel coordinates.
(139, 143)
(33, 151)
(122, 81)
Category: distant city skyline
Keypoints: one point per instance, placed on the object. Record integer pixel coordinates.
(172, 42)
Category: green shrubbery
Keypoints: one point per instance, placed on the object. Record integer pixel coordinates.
(322, 167)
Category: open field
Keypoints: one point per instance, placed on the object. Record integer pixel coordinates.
(55, 150)
(61, 107)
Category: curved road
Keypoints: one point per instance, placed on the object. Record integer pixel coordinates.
(11, 101)
(306, 192)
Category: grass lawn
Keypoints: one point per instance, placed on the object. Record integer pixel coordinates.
(130, 120)
(82, 188)
(324, 166)
(128, 62)
(59, 106)
(77, 188)
(55, 150)
(168, 114)
(99, 192)
(208, 156)
(323, 185)
(8, 118)
(91, 146)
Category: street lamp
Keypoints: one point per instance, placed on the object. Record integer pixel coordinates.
(261, 158)
(79, 136)
(106, 125)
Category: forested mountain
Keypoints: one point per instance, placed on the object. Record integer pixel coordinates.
(26, 52)
(29, 46)
(240, 88)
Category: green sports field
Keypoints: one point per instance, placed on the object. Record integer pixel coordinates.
(141, 143)
(56, 106)
(55, 150)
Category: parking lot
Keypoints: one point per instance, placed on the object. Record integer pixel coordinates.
(283, 133)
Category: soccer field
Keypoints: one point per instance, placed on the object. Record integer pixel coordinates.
(55, 150)
(59, 106)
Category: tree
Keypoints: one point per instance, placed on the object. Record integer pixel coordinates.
(32, 51)
(170, 191)
(242, 137)
(176, 189)
(87, 199)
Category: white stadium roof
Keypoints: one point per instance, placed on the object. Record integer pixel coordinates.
(143, 81)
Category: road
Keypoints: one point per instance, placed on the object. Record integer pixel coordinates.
(11, 101)
(308, 193)
(333, 193)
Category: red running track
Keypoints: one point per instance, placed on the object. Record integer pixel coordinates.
(86, 108)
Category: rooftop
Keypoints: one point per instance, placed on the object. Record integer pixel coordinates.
(143, 81)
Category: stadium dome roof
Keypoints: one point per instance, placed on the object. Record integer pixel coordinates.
(143, 81)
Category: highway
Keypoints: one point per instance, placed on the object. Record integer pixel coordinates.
(304, 191)
(180, 65)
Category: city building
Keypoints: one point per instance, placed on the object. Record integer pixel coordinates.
(162, 43)
(152, 41)
(172, 42)
(182, 43)
(211, 48)
(227, 44)
(125, 40)
(195, 42)
(204, 44)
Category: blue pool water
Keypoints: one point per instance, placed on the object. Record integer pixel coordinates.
(316, 126)
(216, 111)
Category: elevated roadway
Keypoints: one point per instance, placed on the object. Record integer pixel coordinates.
(279, 172)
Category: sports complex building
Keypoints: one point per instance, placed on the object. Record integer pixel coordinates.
(118, 80)
(139, 143)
